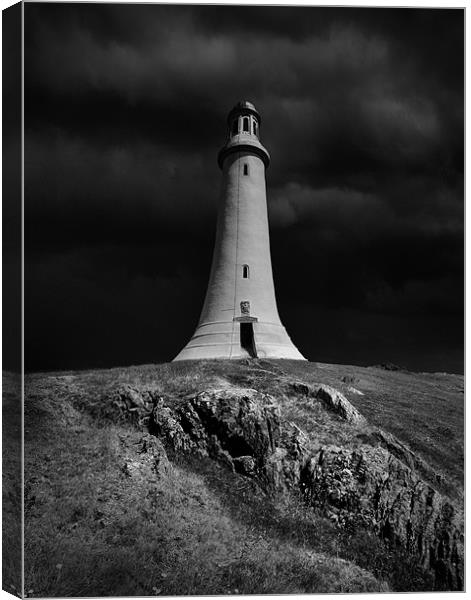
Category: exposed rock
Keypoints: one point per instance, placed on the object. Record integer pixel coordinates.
(246, 422)
(154, 449)
(363, 487)
(130, 398)
(134, 404)
(284, 466)
(353, 390)
(165, 423)
(337, 402)
(300, 388)
(371, 488)
(378, 437)
(241, 422)
(245, 465)
(332, 399)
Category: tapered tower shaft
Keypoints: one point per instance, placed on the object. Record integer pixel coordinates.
(240, 317)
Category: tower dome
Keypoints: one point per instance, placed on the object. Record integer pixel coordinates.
(245, 104)
(244, 107)
(243, 132)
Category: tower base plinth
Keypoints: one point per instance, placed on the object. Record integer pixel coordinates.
(228, 340)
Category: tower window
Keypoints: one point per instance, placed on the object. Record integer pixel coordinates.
(255, 128)
(245, 271)
(246, 169)
(235, 127)
(245, 124)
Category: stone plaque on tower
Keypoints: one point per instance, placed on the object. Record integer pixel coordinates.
(245, 307)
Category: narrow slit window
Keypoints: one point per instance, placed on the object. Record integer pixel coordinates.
(246, 124)
(246, 169)
(245, 271)
(255, 128)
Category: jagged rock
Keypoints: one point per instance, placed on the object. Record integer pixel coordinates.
(165, 423)
(300, 388)
(332, 399)
(363, 487)
(148, 443)
(245, 465)
(219, 453)
(353, 390)
(401, 451)
(129, 398)
(372, 488)
(377, 437)
(233, 423)
(283, 468)
(246, 422)
(337, 402)
(154, 449)
(134, 404)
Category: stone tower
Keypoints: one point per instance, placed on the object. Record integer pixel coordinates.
(240, 317)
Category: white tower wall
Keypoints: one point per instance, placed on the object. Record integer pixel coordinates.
(241, 270)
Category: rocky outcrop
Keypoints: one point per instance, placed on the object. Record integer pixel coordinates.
(366, 486)
(371, 488)
(353, 390)
(154, 451)
(337, 402)
(332, 399)
(384, 439)
(151, 454)
(239, 426)
(134, 404)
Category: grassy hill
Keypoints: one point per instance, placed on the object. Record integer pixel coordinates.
(115, 506)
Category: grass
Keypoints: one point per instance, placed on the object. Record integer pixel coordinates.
(424, 410)
(102, 520)
(11, 479)
(287, 520)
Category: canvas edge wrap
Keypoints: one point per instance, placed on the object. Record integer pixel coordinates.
(12, 521)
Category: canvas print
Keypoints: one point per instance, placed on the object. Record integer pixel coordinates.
(243, 353)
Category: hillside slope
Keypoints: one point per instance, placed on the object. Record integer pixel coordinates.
(242, 477)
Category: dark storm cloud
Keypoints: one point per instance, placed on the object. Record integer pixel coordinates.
(362, 112)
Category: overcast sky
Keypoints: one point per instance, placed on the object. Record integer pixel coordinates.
(362, 113)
